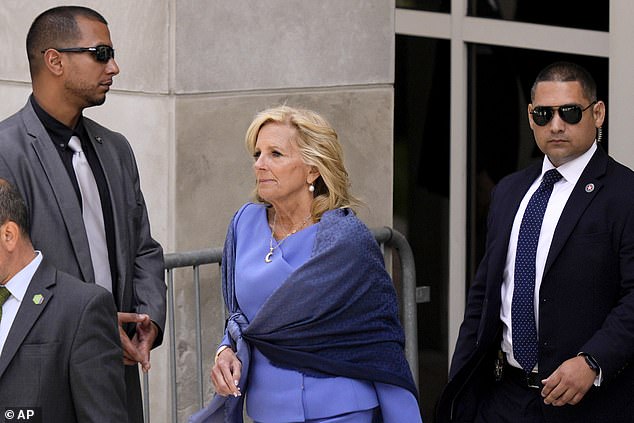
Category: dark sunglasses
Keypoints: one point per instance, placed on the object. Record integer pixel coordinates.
(102, 53)
(569, 113)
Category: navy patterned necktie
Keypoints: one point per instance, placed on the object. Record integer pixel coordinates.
(524, 329)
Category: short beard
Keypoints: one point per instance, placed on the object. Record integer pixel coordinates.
(86, 96)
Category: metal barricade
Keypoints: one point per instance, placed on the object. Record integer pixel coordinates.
(385, 237)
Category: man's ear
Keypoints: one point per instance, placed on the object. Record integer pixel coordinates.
(598, 113)
(53, 61)
(530, 116)
(9, 235)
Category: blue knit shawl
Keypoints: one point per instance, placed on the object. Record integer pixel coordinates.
(336, 315)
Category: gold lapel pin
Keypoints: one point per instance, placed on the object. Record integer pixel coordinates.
(38, 299)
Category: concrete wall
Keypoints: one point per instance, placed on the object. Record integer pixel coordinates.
(193, 74)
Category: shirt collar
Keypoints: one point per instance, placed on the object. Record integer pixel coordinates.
(59, 132)
(572, 170)
(19, 283)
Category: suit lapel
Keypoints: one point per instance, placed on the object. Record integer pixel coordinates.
(42, 283)
(579, 200)
(62, 189)
(506, 204)
(511, 203)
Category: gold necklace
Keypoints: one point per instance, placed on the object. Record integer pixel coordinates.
(267, 258)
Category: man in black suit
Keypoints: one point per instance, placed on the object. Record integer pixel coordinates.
(60, 354)
(548, 333)
(80, 180)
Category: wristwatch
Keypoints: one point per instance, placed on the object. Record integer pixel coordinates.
(592, 363)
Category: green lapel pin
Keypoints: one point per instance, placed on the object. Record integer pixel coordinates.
(38, 299)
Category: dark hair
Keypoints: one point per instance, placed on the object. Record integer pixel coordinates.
(55, 28)
(567, 72)
(13, 208)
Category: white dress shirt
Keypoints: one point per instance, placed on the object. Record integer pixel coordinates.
(571, 172)
(17, 286)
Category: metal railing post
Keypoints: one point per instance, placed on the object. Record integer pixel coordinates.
(199, 346)
(172, 335)
(396, 240)
(146, 398)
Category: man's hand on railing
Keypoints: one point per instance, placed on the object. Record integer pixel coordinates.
(225, 373)
(137, 349)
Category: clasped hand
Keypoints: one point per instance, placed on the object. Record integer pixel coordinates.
(137, 349)
(225, 374)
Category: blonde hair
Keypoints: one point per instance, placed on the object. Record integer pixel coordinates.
(319, 146)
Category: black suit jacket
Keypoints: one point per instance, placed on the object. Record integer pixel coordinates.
(29, 160)
(64, 355)
(586, 296)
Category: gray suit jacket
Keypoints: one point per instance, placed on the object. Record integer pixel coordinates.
(64, 355)
(30, 161)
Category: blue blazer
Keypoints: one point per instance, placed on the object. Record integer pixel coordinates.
(586, 296)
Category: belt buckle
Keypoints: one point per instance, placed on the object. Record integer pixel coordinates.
(531, 380)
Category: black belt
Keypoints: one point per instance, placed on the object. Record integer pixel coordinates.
(519, 376)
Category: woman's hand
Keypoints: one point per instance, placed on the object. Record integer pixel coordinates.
(225, 374)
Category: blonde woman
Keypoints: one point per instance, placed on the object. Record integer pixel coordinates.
(314, 333)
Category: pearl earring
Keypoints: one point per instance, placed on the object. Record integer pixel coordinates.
(311, 188)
